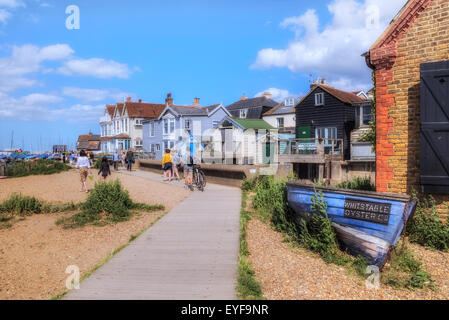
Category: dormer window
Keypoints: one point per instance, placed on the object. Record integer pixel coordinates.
(289, 101)
(243, 113)
(319, 99)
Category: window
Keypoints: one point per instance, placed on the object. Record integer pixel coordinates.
(319, 99)
(188, 124)
(169, 144)
(289, 101)
(169, 126)
(138, 143)
(158, 147)
(138, 122)
(280, 122)
(367, 116)
(118, 126)
(326, 133)
(363, 116)
(215, 124)
(152, 148)
(243, 113)
(151, 128)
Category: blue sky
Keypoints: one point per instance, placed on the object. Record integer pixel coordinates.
(55, 81)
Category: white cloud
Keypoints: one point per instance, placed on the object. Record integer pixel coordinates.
(46, 107)
(94, 95)
(334, 52)
(278, 94)
(95, 67)
(11, 3)
(4, 15)
(25, 60)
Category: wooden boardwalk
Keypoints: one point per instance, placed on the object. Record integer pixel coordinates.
(191, 253)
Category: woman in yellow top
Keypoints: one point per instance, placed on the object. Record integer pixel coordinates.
(167, 164)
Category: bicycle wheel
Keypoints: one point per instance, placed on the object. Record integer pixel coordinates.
(201, 180)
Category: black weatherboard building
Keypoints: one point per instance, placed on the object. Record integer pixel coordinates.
(329, 113)
(252, 108)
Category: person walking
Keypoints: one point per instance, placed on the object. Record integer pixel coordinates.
(115, 159)
(176, 163)
(167, 165)
(123, 159)
(63, 157)
(105, 170)
(188, 161)
(130, 159)
(82, 163)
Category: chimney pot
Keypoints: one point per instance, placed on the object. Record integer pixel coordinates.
(323, 81)
(169, 99)
(140, 100)
(267, 95)
(196, 101)
(128, 99)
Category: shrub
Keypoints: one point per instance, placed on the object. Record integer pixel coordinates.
(38, 167)
(22, 205)
(426, 228)
(108, 200)
(405, 271)
(249, 184)
(358, 183)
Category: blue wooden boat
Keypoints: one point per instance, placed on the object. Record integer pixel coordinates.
(366, 223)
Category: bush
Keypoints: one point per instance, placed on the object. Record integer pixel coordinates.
(358, 183)
(249, 184)
(405, 271)
(38, 167)
(22, 205)
(426, 228)
(107, 200)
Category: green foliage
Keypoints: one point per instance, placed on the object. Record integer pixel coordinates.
(358, 183)
(405, 271)
(38, 167)
(317, 233)
(97, 164)
(107, 200)
(249, 184)
(21, 205)
(319, 183)
(247, 285)
(426, 228)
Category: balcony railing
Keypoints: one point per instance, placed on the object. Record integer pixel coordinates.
(310, 150)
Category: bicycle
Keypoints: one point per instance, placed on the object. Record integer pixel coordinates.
(199, 178)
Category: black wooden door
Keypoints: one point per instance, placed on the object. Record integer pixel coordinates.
(434, 156)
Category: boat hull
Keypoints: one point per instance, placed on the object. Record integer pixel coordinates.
(366, 223)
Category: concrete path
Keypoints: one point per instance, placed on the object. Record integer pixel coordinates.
(191, 253)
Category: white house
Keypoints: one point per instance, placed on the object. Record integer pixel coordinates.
(283, 116)
(121, 125)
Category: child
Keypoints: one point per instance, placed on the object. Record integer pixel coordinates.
(176, 164)
(104, 168)
(167, 165)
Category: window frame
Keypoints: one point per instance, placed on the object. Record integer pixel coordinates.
(317, 102)
(245, 112)
(283, 122)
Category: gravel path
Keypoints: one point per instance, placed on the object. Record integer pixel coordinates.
(35, 253)
(295, 273)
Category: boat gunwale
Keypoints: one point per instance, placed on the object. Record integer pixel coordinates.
(371, 194)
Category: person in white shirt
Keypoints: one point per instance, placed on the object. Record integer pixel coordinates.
(83, 164)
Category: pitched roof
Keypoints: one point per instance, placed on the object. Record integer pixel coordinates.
(111, 109)
(343, 96)
(401, 21)
(251, 123)
(252, 102)
(121, 136)
(144, 110)
(281, 109)
(189, 110)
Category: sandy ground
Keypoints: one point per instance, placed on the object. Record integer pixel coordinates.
(294, 273)
(34, 253)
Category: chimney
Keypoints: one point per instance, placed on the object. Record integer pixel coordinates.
(128, 99)
(267, 95)
(196, 102)
(323, 81)
(169, 100)
(90, 132)
(140, 100)
(314, 84)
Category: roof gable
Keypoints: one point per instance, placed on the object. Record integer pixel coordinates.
(343, 96)
(252, 103)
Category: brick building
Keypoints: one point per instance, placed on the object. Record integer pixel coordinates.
(418, 34)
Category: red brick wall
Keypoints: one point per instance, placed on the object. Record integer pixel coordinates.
(422, 36)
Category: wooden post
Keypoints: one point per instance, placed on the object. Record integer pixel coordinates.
(2, 169)
(320, 172)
